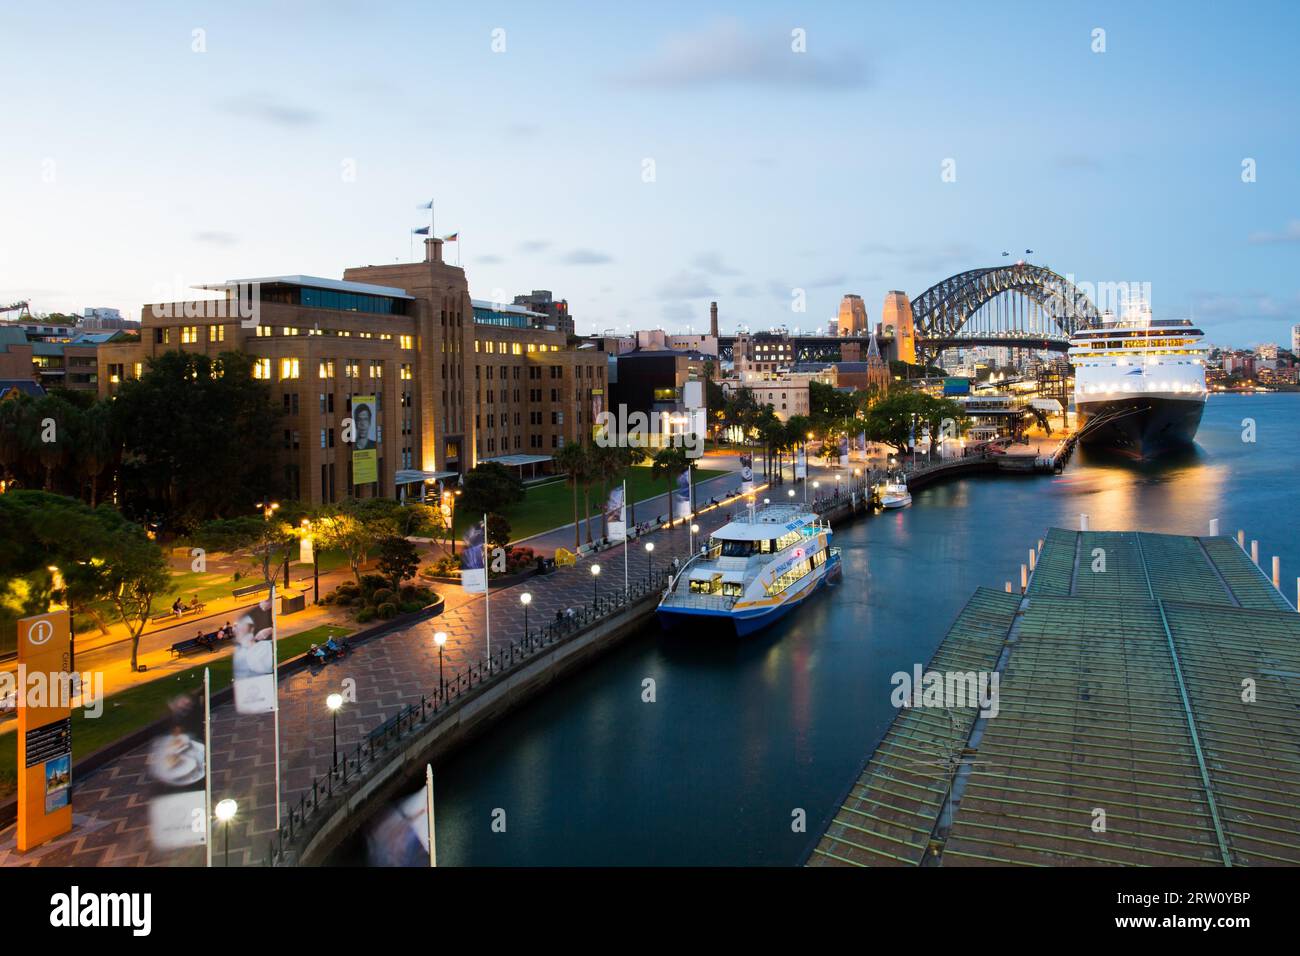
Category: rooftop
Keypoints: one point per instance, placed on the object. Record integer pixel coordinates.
(311, 282)
(1120, 690)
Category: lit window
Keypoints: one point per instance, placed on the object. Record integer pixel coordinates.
(406, 341)
(326, 368)
(216, 333)
(262, 368)
(288, 368)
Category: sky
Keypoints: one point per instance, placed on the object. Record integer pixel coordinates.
(641, 160)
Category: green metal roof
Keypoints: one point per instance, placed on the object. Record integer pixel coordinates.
(1121, 692)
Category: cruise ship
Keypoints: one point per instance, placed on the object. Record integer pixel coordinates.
(753, 571)
(1139, 383)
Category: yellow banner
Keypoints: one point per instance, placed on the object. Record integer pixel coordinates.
(365, 456)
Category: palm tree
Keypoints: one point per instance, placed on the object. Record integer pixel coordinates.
(668, 464)
(94, 445)
(572, 459)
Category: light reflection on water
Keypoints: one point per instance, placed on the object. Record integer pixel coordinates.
(744, 732)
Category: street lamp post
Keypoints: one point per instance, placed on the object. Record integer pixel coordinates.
(225, 813)
(595, 582)
(525, 599)
(695, 529)
(650, 554)
(334, 702)
(816, 485)
(440, 639)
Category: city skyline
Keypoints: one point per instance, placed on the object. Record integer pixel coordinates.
(1117, 166)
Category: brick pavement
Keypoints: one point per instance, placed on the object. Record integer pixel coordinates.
(111, 811)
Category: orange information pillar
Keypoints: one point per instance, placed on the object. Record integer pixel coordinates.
(44, 729)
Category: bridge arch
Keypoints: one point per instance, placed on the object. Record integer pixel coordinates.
(953, 312)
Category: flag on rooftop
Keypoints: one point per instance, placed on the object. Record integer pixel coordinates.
(422, 231)
(451, 237)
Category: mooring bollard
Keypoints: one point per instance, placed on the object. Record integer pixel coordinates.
(1277, 572)
(1033, 559)
(1024, 578)
(1214, 527)
(1083, 522)
(1254, 551)
(1009, 587)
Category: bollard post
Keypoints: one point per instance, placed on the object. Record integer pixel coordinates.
(1241, 539)
(1254, 551)
(1009, 587)
(1277, 572)
(1214, 527)
(1033, 559)
(1024, 578)
(1083, 522)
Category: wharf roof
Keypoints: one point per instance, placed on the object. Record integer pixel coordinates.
(1123, 670)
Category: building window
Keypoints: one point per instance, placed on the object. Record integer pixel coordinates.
(189, 334)
(264, 331)
(406, 341)
(288, 368)
(327, 368)
(262, 368)
(216, 333)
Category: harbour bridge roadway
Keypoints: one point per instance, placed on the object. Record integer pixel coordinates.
(110, 804)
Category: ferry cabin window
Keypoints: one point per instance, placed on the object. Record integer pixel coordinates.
(704, 587)
(732, 589)
(737, 549)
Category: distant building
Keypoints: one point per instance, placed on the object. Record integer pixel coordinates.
(787, 396)
(665, 385)
(1268, 351)
(758, 355)
(51, 354)
(852, 318)
(1295, 340)
(896, 317)
(557, 311)
(106, 320)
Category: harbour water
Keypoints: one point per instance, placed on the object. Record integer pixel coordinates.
(744, 736)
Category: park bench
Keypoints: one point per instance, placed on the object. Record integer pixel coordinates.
(381, 732)
(248, 589)
(172, 615)
(208, 642)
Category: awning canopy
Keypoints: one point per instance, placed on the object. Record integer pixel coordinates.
(410, 476)
(514, 461)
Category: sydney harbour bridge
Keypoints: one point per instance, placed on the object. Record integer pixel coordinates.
(1018, 305)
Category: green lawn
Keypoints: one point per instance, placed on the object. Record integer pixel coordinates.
(551, 505)
(141, 705)
(210, 585)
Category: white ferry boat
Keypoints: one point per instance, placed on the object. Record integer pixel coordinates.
(894, 493)
(753, 571)
(1139, 383)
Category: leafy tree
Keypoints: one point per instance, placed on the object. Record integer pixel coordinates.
(668, 464)
(270, 542)
(198, 438)
(488, 486)
(399, 559)
(355, 526)
(573, 460)
(498, 530)
(132, 575)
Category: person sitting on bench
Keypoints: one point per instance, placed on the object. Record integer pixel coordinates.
(333, 647)
(318, 652)
(177, 607)
(204, 639)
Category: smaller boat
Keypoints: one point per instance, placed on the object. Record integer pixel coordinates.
(894, 493)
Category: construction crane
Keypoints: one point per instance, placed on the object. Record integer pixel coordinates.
(22, 308)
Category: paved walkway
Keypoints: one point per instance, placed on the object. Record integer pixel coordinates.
(111, 808)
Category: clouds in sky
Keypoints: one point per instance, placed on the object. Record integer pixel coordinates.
(730, 53)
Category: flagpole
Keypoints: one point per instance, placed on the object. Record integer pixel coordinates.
(207, 766)
(275, 677)
(487, 593)
(428, 809)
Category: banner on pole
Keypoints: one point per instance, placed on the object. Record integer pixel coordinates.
(473, 564)
(253, 663)
(615, 514)
(177, 773)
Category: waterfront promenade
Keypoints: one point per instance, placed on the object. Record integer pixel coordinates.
(110, 804)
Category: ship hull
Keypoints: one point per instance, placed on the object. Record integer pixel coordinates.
(1140, 427)
(749, 620)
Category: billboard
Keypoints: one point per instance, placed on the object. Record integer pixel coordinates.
(44, 730)
(746, 474)
(682, 496)
(473, 563)
(365, 453)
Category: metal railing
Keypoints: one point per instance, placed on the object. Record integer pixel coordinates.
(365, 757)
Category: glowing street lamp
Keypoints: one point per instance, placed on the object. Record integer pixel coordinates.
(225, 811)
(334, 702)
(525, 599)
(695, 529)
(650, 553)
(595, 582)
(440, 638)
